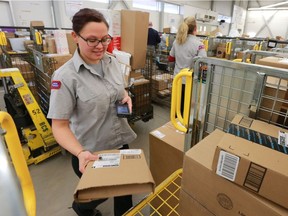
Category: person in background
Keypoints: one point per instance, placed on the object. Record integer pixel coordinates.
(84, 93)
(153, 36)
(185, 48)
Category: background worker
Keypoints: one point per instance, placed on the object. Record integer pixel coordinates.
(84, 93)
(153, 36)
(185, 48)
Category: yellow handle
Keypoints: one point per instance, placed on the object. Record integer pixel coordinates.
(206, 44)
(176, 99)
(18, 159)
(167, 41)
(228, 48)
(260, 46)
(38, 38)
(3, 41)
(256, 47)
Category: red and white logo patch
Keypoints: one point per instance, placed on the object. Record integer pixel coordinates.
(201, 47)
(56, 84)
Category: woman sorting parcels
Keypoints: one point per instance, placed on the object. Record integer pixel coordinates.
(82, 103)
(185, 48)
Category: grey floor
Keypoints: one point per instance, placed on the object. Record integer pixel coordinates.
(55, 182)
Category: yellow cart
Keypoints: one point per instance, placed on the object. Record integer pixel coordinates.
(164, 201)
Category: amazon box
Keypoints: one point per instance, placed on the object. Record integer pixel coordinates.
(254, 167)
(258, 132)
(218, 195)
(115, 173)
(188, 206)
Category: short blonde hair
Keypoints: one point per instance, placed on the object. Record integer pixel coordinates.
(185, 28)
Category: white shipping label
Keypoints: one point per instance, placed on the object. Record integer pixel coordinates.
(227, 165)
(107, 160)
(283, 138)
(158, 134)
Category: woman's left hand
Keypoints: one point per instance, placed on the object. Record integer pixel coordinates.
(127, 100)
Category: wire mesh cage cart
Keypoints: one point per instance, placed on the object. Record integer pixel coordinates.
(164, 201)
(229, 88)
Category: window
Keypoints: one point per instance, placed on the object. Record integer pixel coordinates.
(171, 8)
(146, 4)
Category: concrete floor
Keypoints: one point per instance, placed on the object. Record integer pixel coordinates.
(55, 182)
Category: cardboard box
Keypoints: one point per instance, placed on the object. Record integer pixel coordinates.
(51, 45)
(220, 53)
(52, 62)
(188, 206)
(217, 194)
(166, 30)
(72, 46)
(166, 151)
(274, 62)
(245, 164)
(37, 24)
(122, 172)
(134, 34)
(161, 81)
(258, 132)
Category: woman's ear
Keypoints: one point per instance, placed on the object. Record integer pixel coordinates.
(75, 37)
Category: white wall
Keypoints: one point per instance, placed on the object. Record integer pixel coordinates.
(5, 14)
(277, 24)
(26, 11)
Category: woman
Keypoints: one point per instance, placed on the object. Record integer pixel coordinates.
(84, 93)
(185, 48)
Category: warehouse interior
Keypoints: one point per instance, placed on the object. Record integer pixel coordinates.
(224, 153)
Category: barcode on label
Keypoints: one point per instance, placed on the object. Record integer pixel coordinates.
(131, 156)
(227, 165)
(255, 176)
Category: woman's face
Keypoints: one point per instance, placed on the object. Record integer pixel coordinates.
(91, 31)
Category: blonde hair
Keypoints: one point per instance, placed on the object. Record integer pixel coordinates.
(187, 27)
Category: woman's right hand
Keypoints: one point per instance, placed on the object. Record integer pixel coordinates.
(84, 158)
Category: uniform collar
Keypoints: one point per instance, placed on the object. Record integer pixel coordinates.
(78, 61)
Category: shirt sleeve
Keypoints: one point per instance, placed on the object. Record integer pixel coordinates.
(62, 99)
(201, 50)
(172, 51)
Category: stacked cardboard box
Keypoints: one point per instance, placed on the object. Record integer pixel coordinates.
(253, 174)
(217, 195)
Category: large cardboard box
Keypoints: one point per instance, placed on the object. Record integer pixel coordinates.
(134, 35)
(166, 151)
(217, 194)
(188, 206)
(72, 46)
(274, 62)
(254, 167)
(117, 173)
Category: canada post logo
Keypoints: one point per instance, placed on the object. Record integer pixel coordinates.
(56, 84)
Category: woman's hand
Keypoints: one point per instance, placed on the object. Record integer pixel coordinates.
(84, 158)
(127, 100)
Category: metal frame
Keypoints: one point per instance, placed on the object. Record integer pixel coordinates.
(231, 88)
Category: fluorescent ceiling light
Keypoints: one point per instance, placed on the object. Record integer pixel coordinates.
(263, 9)
(275, 5)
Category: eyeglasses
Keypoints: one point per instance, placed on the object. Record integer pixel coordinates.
(94, 42)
